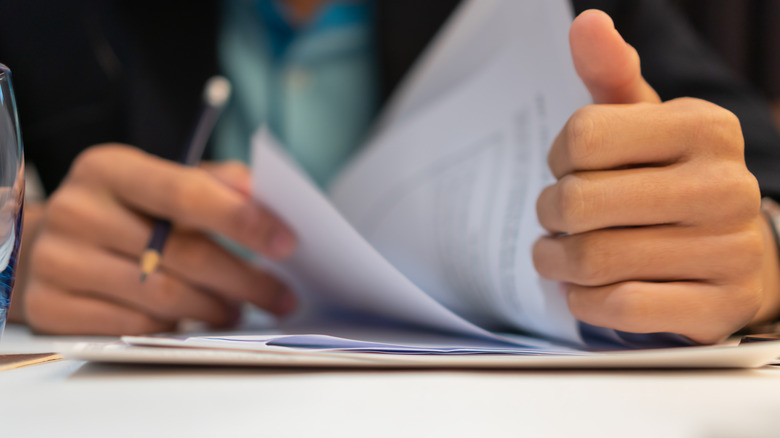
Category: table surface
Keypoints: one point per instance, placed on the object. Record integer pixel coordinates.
(72, 398)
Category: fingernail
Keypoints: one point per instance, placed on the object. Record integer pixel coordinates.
(285, 304)
(281, 245)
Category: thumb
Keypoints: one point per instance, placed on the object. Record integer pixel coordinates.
(607, 65)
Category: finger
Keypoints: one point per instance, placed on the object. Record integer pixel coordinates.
(596, 138)
(201, 261)
(704, 312)
(233, 174)
(603, 137)
(187, 196)
(52, 310)
(192, 256)
(99, 219)
(647, 254)
(683, 195)
(108, 277)
(607, 65)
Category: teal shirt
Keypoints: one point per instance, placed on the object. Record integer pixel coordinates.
(315, 87)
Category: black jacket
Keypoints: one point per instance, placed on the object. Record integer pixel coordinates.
(93, 71)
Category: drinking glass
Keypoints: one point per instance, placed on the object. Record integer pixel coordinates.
(11, 191)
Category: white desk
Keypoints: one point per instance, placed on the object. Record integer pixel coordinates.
(87, 400)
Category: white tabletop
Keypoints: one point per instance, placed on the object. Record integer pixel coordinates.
(78, 399)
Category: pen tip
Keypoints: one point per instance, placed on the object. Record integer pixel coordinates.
(150, 260)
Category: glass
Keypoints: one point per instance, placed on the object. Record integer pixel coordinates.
(11, 191)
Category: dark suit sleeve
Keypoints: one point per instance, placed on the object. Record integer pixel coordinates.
(98, 71)
(677, 63)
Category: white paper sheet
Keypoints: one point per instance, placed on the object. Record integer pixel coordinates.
(334, 268)
(447, 190)
(445, 200)
(449, 199)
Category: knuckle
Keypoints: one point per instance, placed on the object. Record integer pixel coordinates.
(93, 160)
(87, 162)
(68, 207)
(736, 193)
(712, 128)
(583, 134)
(61, 206)
(725, 118)
(725, 132)
(749, 189)
(747, 195)
(186, 193)
(727, 121)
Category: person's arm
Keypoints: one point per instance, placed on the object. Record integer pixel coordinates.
(654, 222)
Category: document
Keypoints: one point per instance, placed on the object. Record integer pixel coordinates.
(384, 340)
(259, 351)
(433, 223)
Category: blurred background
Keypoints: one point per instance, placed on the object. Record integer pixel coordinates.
(746, 34)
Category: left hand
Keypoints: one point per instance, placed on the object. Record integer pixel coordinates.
(654, 221)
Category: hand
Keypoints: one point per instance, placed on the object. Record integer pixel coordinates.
(83, 268)
(654, 220)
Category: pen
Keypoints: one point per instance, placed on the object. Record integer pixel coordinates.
(215, 94)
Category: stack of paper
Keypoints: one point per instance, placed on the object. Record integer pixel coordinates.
(421, 256)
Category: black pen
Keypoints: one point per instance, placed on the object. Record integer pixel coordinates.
(215, 94)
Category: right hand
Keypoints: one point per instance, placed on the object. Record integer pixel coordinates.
(84, 273)
(654, 223)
